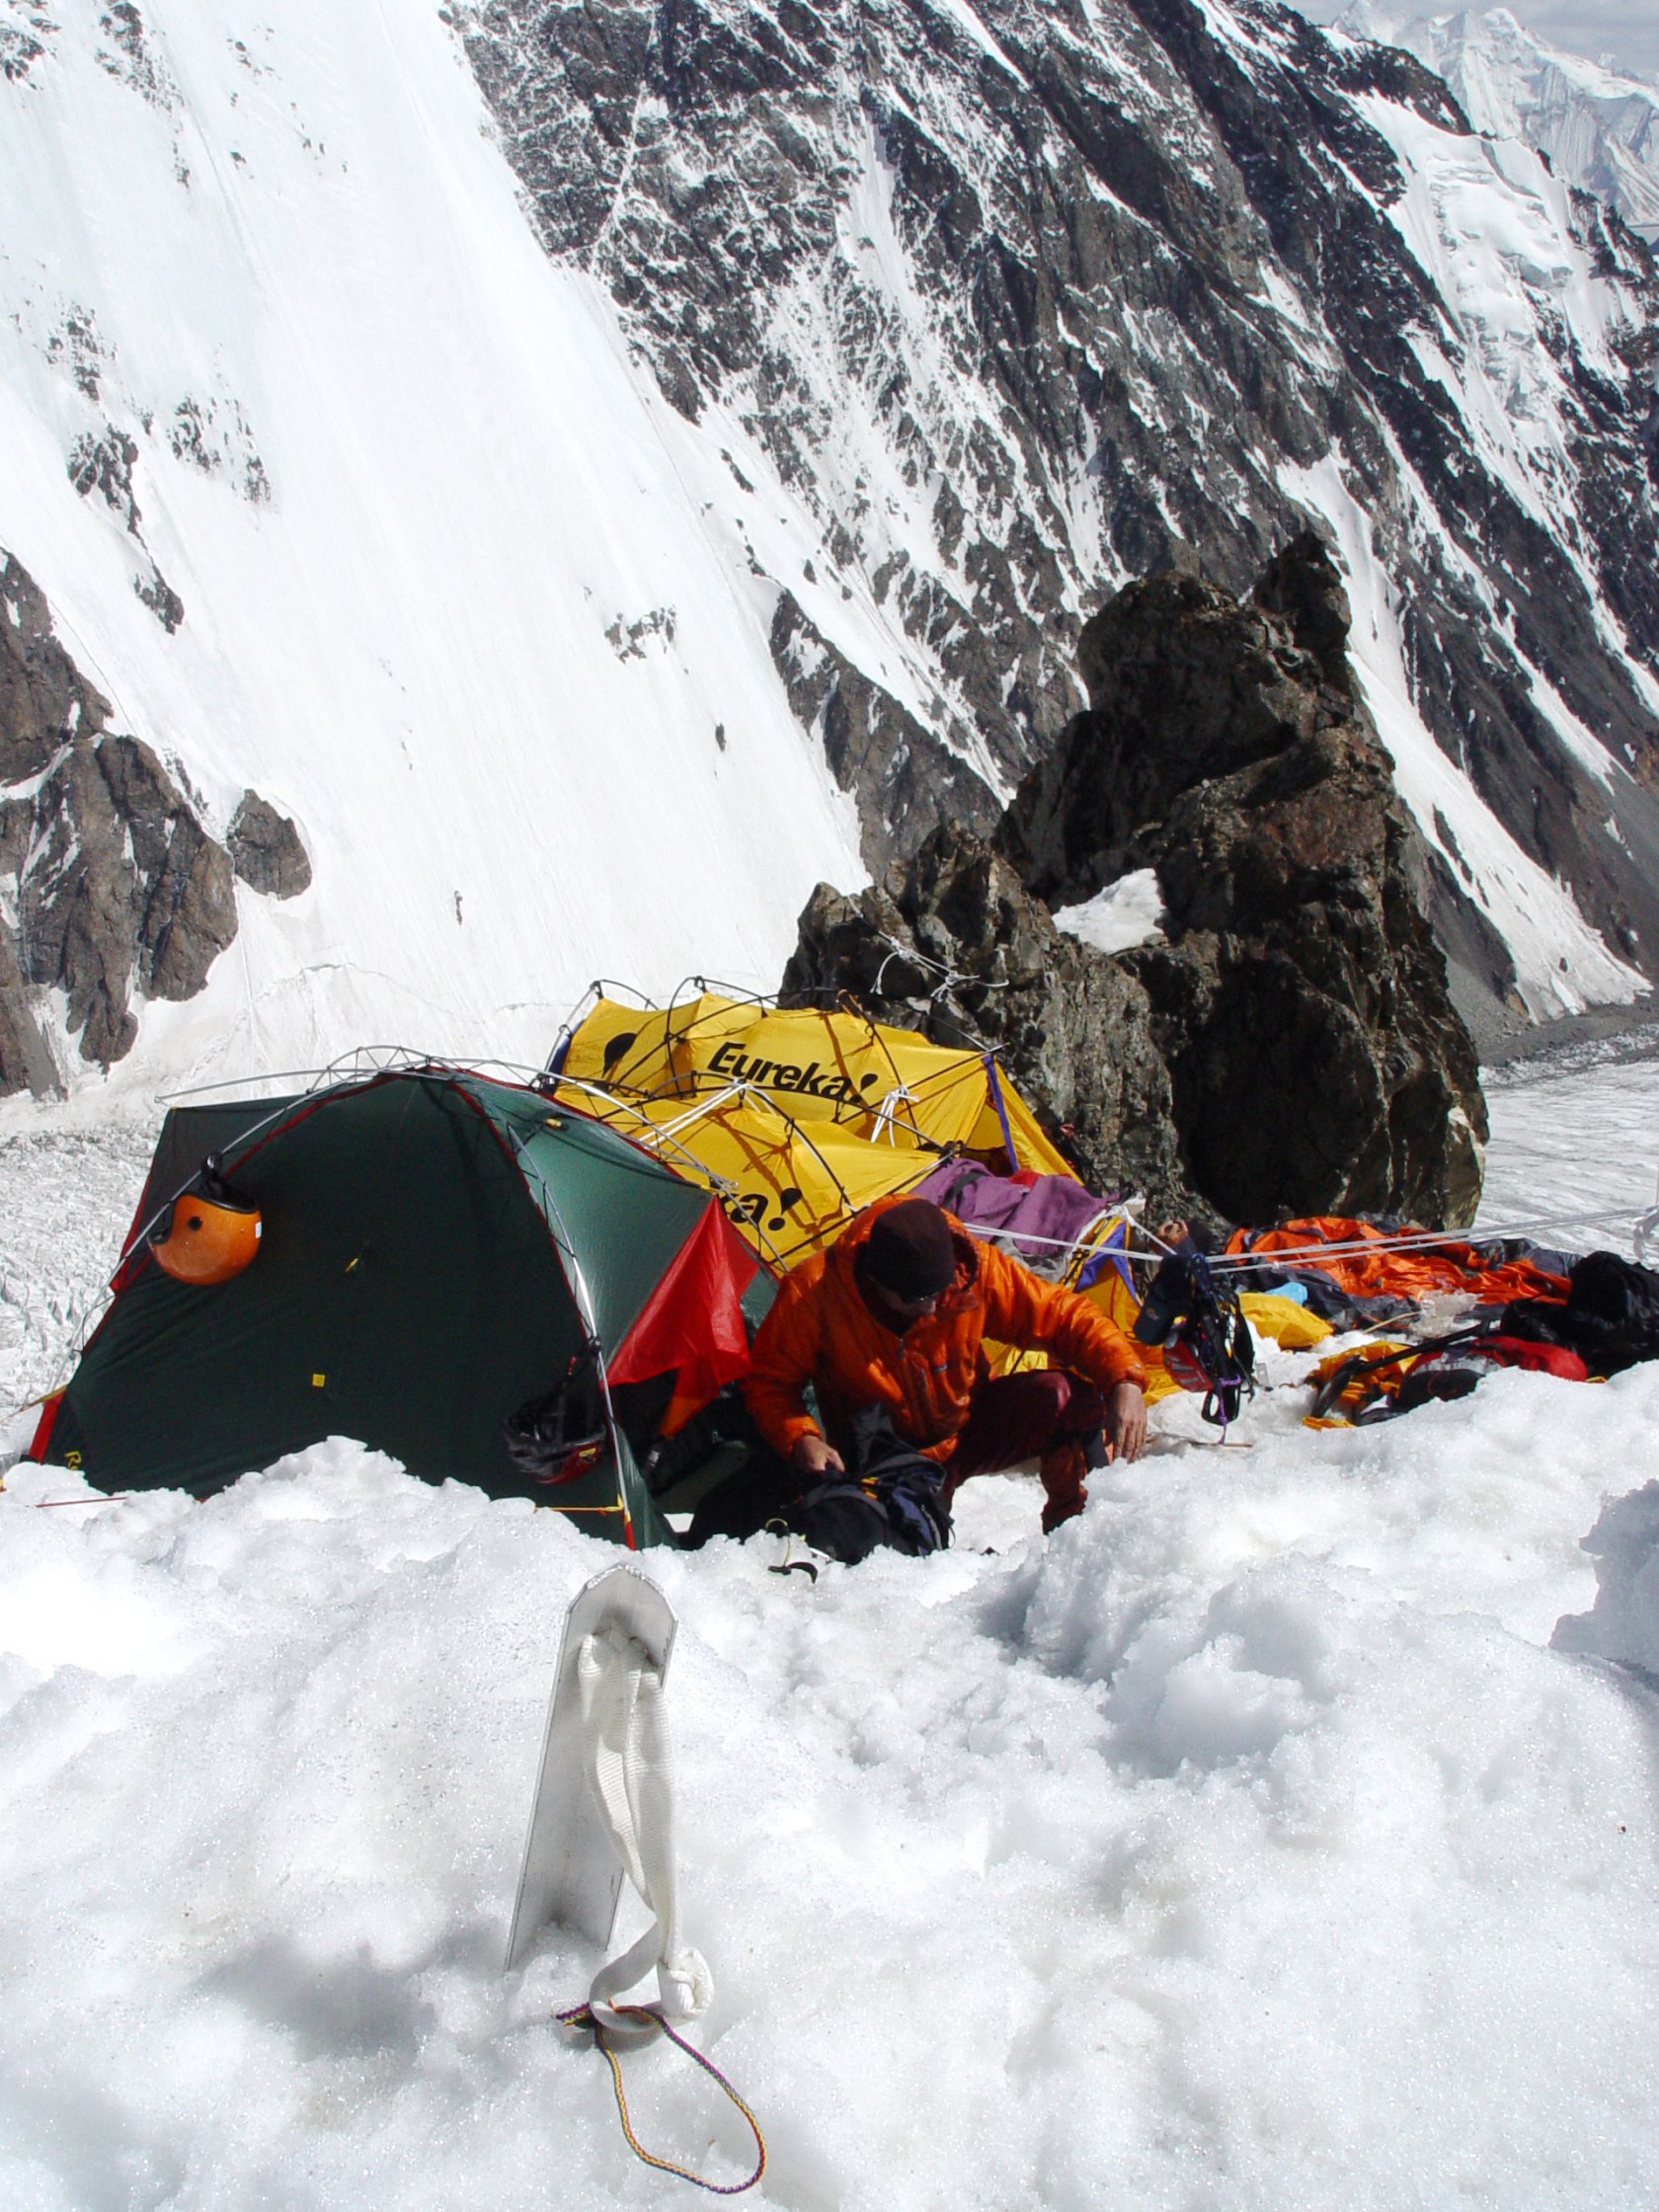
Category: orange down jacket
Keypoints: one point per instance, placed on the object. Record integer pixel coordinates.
(821, 1331)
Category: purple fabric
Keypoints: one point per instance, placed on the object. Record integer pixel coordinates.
(1052, 1207)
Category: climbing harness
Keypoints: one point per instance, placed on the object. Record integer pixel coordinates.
(1206, 1339)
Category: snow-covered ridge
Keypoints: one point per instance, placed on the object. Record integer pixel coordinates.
(1597, 124)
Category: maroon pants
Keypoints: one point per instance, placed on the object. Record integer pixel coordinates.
(1048, 1415)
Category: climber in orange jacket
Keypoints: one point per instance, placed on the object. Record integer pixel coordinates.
(894, 1315)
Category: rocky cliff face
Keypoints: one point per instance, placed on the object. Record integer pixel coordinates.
(1020, 299)
(1287, 1044)
(110, 886)
(954, 945)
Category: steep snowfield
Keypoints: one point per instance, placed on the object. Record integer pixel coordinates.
(1585, 1140)
(1491, 229)
(1561, 964)
(401, 474)
(1282, 1834)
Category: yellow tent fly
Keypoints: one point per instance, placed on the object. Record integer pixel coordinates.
(886, 1085)
(796, 1118)
(788, 1186)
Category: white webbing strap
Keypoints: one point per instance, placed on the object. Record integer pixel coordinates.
(625, 1750)
(886, 1113)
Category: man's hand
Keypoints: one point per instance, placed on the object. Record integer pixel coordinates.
(1126, 1422)
(812, 1456)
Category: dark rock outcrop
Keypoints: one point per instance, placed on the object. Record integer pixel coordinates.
(106, 465)
(44, 697)
(26, 1058)
(1291, 1046)
(120, 888)
(956, 946)
(266, 851)
(115, 887)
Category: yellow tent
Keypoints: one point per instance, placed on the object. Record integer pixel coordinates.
(788, 1186)
(798, 1118)
(886, 1086)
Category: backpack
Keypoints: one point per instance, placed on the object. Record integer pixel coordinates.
(890, 1497)
(1206, 1339)
(564, 1433)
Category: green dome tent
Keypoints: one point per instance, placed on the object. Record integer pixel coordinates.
(437, 1251)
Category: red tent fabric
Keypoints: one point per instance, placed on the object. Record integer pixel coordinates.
(693, 1323)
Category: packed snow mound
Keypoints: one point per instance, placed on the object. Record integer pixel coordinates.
(1624, 1622)
(1246, 1840)
(1126, 912)
(1598, 123)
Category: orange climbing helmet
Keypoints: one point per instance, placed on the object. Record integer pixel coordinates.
(212, 1231)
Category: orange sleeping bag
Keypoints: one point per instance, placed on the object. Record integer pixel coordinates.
(1370, 1263)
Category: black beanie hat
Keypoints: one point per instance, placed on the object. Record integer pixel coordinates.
(909, 1250)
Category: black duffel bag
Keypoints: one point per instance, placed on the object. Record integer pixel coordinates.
(888, 1497)
(1609, 1317)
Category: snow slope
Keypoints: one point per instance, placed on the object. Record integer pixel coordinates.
(1282, 1834)
(460, 591)
(1585, 1140)
(1561, 964)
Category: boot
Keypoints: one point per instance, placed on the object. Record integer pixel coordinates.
(1063, 1467)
